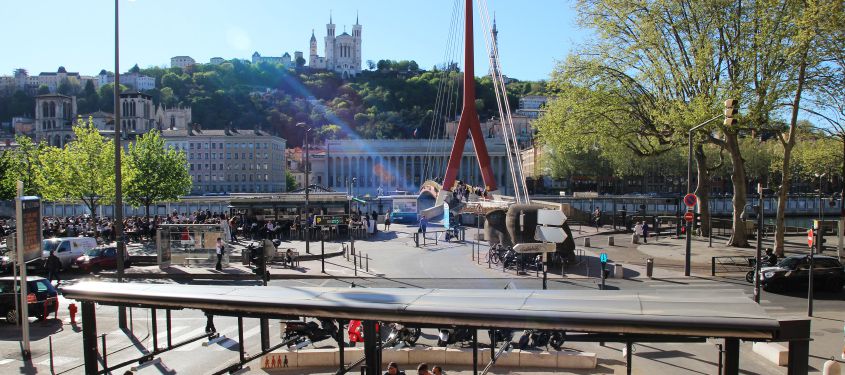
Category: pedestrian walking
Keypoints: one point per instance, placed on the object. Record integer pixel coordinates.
(219, 249)
(54, 267)
(597, 218)
(386, 222)
(638, 232)
(645, 232)
(423, 225)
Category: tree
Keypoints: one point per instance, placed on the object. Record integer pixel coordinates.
(24, 164)
(155, 173)
(43, 90)
(135, 69)
(290, 181)
(82, 170)
(300, 62)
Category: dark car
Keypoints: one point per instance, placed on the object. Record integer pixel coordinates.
(100, 258)
(42, 298)
(794, 272)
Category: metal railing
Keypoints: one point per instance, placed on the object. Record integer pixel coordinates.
(730, 264)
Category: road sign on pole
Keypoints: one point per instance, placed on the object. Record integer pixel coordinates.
(689, 216)
(690, 200)
(603, 257)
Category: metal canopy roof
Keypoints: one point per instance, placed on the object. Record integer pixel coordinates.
(714, 313)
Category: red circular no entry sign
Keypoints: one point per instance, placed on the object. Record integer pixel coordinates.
(690, 200)
(689, 216)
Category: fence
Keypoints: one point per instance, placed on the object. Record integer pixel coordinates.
(730, 264)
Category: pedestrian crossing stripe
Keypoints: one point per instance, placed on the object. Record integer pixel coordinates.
(5, 361)
(275, 360)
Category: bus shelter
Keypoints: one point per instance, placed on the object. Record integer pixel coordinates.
(190, 245)
(585, 315)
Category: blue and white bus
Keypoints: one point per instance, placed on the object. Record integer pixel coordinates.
(403, 208)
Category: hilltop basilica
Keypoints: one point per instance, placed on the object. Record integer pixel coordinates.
(343, 52)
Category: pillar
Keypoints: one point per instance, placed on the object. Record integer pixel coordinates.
(732, 356)
(89, 337)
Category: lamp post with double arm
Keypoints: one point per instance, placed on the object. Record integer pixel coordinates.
(308, 129)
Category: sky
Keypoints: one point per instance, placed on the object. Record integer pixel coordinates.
(79, 35)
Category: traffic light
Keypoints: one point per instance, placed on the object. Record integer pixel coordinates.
(604, 271)
(731, 109)
(256, 256)
(820, 239)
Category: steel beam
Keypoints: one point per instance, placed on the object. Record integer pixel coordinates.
(89, 337)
(731, 356)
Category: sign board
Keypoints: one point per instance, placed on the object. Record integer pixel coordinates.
(689, 216)
(810, 238)
(533, 248)
(690, 200)
(549, 234)
(550, 217)
(603, 257)
(31, 207)
(325, 220)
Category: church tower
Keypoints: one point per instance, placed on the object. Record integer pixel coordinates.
(356, 35)
(330, 44)
(312, 60)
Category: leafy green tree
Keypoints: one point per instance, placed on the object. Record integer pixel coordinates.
(135, 69)
(155, 173)
(290, 181)
(82, 170)
(43, 90)
(24, 164)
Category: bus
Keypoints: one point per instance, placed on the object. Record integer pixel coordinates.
(403, 208)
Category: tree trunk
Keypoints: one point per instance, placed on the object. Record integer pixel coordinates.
(788, 145)
(738, 236)
(702, 189)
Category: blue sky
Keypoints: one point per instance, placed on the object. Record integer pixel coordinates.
(79, 35)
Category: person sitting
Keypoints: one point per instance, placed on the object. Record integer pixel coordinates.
(422, 369)
(289, 258)
(393, 369)
(437, 370)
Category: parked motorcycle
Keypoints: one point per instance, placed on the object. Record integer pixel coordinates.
(304, 333)
(449, 336)
(541, 339)
(401, 336)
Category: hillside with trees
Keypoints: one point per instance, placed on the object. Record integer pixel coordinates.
(388, 101)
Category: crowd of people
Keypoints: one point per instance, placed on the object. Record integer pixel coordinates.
(422, 369)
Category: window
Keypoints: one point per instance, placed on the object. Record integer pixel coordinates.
(214, 167)
(192, 167)
(220, 146)
(229, 155)
(213, 146)
(236, 156)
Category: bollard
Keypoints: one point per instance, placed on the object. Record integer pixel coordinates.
(831, 367)
(586, 241)
(649, 267)
(368, 262)
(610, 241)
(52, 369)
(618, 271)
(105, 353)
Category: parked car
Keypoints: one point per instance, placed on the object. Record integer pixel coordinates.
(42, 298)
(794, 272)
(66, 248)
(100, 258)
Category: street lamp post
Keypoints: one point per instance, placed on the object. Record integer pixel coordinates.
(688, 253)
(307, 188)
(818, 248)
(118, 191)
